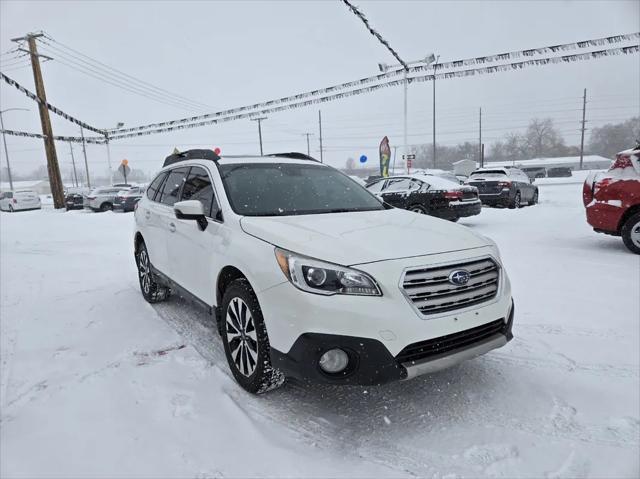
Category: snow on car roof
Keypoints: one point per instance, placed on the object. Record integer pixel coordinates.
(435, 181)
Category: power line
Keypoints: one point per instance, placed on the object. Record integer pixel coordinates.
(373, 32)
(111, 79)
(60, 47)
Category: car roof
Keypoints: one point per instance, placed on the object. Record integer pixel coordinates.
(239, 160)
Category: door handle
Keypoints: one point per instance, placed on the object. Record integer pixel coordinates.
(147, 214)
(172, 227)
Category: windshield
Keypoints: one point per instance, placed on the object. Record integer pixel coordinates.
(282, 189)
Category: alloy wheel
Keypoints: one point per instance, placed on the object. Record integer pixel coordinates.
(241, 337)
(635, 234)
(144, 271)
(417, 210)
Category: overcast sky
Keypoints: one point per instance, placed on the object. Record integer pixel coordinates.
(228, 54)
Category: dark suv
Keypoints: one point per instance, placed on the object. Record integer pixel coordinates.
(504, 187)
(428, 194)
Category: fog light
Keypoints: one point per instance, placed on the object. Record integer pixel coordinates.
(334, 361)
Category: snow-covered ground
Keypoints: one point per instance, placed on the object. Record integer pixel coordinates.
(97, 383)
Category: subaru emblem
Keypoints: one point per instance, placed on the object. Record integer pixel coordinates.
(459, 277)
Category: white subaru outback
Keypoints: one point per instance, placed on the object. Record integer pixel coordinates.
(310, 276)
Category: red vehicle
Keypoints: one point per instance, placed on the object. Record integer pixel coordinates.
(612, 199)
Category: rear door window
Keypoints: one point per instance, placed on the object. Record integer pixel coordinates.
(398, 185)
(198, 187)
(173, 186)
(376, 187)
(155, 185)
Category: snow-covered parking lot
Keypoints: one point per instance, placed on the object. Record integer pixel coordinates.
(95, 382)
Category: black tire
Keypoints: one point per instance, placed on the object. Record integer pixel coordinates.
(418, 209)
(534, 200)
(106, 206)
(11, 209)
(151, 290)
(245, 339)
(631, 233)
(454, 220)
(516, 202)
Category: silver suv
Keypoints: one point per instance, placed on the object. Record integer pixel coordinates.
(101, 199)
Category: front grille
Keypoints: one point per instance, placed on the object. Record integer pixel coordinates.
(443, 344)
(430, 290)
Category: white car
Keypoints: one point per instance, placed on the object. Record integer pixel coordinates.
(310, 276)
(19, 200)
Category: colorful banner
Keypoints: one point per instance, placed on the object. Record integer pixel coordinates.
(385, 157)
(49, 106)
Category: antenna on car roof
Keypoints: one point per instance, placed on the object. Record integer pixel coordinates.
(177, 156)
(294, 155)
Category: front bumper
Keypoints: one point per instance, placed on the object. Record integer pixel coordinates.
(300, 323)
(604, 217)
(371, 363)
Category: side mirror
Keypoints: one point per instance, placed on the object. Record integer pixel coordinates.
(191, 210)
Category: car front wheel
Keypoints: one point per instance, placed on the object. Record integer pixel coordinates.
(246, 343)
(151, 290)
(418, 209)
(631, 233)
(534, 200)
(106, 207)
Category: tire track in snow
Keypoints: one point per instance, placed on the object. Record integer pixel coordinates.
(330, 416)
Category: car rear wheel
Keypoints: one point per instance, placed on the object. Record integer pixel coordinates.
(516, 202)
(631, 233)
(418, 209)
(106, 206)
(151, 290)
(245, 339)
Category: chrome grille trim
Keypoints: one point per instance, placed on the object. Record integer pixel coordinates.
(429, 291)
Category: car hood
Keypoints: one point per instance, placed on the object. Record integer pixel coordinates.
(363, 237)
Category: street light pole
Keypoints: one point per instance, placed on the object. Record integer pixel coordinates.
(4, 140)
(106, 138)
(428, 60)
(435, 66)
(404, 140)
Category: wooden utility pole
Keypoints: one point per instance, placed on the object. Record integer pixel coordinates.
(320, 128)
(584, 111)
(53, 168)
(84, 152)
(259, 120)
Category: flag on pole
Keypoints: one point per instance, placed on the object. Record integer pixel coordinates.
(385, 157)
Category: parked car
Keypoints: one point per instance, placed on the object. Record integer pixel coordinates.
(430, 195)
(20, 200)
(612, 199)
(559, 172)
(534, 172)
(126, 199)
(504, 187)
(308, 275)
(101, 199)
(73, 201)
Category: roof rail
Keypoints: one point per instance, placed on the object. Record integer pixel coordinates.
(190, 155)
(294, 155)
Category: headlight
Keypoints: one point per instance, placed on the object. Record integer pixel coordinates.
(315, 276)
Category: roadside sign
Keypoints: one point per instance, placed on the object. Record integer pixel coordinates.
(408, 157)
(124, 169)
